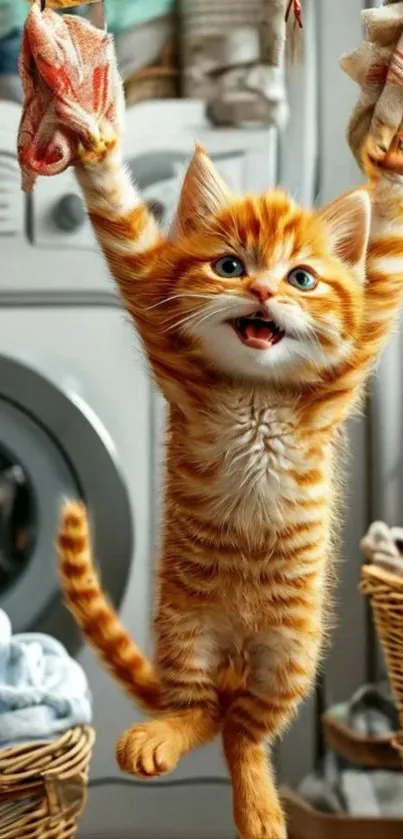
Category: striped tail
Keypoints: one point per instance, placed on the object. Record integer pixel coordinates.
(95, 615)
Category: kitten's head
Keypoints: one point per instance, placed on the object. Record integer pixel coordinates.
(263, 289)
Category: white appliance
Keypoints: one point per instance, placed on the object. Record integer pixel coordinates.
(78, 417)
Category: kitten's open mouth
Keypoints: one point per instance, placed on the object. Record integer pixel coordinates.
(257, 331)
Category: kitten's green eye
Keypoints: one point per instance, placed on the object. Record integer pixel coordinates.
(301, 279)
(229, 266)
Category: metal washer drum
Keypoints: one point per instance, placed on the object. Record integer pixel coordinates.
(65, 452)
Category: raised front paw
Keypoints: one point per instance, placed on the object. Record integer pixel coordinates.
(149, 750)
(376, 66)
(382, 151)
(96, 151)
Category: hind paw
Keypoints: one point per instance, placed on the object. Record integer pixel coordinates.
(260, 823)
(149, 750)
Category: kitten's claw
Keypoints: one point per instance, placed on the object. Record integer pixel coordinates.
(149, 750)
(97, 147)
(96, 153)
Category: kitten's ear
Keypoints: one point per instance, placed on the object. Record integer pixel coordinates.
(348, 221)
(203, 194)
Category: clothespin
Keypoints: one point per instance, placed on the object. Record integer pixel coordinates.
(295, 7)
(97, 15)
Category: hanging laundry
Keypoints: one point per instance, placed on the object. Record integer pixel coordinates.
(377, 67)
(234, 57)
(53, 87)
(12, 19)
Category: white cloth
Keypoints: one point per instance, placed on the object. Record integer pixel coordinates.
(43, 691)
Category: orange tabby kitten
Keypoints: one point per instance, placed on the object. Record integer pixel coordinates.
(261, 321)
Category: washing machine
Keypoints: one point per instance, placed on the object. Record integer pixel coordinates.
(79, 418)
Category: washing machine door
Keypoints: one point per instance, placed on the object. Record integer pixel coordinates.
(52, 447)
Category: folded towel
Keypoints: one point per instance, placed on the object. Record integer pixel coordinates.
(71, 88)
(383, 546)
(338, 786)
(371, 711)
(43, 692)
(375, 794)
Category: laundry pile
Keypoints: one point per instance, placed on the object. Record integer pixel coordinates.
(43, 692)
(383, 546)
(234, 58)
(339, 787)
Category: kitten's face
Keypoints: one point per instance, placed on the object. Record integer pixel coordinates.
(261, 290)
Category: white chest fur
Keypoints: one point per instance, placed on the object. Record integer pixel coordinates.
(258, 452)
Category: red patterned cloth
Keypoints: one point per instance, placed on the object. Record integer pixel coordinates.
(72, 89)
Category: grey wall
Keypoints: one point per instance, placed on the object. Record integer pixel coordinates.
(316, 163)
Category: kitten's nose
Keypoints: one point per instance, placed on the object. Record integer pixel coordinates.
(263, 289)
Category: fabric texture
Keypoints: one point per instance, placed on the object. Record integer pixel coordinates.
(69, 75)
(377, 67)
(383, 546)
(43, 692)
(371, 711)
(234, 57)
(339, 787)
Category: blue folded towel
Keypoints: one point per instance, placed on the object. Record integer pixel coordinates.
(43, 692)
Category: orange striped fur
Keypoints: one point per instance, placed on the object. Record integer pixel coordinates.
(252, 447)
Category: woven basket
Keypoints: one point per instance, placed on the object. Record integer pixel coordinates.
(151, 83)
(43, 786)
(156, 81)
(398, 744)
(385, 592)
(306, 823)
(358, 748)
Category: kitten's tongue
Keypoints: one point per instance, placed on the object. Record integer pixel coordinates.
(259, 337)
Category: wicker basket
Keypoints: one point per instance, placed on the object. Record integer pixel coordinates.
(156, 81)
(306, 823)
(398, 744)
(360, 749)
(43, 786)
(385, 592)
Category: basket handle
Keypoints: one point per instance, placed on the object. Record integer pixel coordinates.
(66, 797)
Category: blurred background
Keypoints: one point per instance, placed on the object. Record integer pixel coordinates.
(77, 413)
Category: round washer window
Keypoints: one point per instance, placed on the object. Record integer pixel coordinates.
(46, 478)
(18, 519)
(59, 449)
